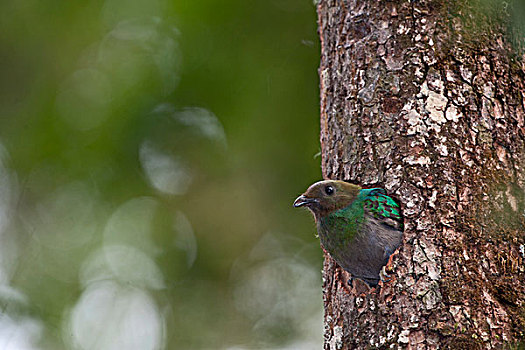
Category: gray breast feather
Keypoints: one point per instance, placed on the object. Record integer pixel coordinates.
(370, 250)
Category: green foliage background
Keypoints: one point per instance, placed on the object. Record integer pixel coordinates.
(150, 153)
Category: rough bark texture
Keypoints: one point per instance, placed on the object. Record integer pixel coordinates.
(421, 98)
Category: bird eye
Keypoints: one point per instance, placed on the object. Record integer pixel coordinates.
(329, 190)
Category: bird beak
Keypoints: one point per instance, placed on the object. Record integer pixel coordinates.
(303, 200)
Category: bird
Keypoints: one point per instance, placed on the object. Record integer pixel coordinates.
(360, 228)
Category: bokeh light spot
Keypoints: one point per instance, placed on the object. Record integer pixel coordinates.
(139, 51)
(19, 334)
(204, 121)
(168, 174)
(66, 218)
(131, 224)
(125, 264)
(109, 316)
(185, 238)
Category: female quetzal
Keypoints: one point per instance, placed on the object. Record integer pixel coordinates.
(359, 228)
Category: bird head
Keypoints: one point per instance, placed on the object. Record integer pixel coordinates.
(327, 196)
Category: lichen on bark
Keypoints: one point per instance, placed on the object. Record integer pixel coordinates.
(414, 100)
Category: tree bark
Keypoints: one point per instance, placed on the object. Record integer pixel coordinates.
(426, 99)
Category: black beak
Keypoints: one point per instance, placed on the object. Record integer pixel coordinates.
(303, 200)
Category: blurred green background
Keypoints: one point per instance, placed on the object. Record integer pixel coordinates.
(150, 152)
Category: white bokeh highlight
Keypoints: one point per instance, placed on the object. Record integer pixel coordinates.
(125, 264)
(110, 316)
(131, 224)
(19, 333)
(203, 121)
(185, 238)
(166, 173)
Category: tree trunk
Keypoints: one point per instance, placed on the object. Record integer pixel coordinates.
(427, 100)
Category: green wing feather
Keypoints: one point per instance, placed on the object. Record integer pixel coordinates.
(342, 225)
(381, 206)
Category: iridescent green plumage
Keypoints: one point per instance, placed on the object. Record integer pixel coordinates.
(381, 206)
(359, 228)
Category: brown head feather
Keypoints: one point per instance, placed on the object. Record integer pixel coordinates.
(327, 196)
